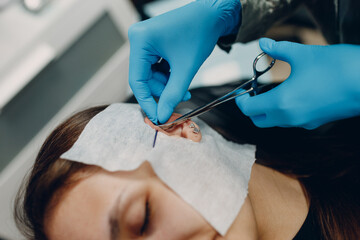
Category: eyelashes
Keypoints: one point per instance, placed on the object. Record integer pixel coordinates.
(146, 219)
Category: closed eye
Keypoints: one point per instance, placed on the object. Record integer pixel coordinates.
(146, 219)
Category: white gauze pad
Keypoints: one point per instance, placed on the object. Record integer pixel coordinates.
(212, 175)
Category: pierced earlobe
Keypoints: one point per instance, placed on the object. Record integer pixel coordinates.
(196, 130)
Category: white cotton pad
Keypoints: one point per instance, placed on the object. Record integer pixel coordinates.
(212, 175)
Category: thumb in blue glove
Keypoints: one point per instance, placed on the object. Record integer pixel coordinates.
(323, 86)
(184, 37)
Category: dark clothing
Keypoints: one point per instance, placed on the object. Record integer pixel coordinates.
(310, 230)
(339, 20)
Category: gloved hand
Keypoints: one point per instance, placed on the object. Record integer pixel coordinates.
(184, 37)
(324, 85)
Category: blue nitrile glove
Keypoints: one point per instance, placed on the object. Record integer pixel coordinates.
(324, 86)
(184, 37)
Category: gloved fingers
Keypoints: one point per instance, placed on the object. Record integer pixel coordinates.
(157, 85)
(311, 126)
(140, 62)
(187, 97)
(260, 120)
(284, 50)
(160, 76)
(139, 75)
(256, 105)
(241, 101)
(174, 92)
(144, 97)
(267, 120)
(161, 66)
(282, 120)
(147, 102)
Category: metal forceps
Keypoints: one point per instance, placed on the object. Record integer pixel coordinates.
(250, 86)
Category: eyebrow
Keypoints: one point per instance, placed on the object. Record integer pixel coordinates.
(114, 220)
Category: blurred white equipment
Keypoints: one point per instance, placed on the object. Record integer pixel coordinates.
(73, 54)
(35, 5)
(4, 3)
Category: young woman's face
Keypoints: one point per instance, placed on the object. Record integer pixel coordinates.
(125, 205)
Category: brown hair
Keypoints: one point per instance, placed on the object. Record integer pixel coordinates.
(326, 162)
(50, 176)
(327, 166)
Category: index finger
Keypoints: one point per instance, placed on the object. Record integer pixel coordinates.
(139, 75)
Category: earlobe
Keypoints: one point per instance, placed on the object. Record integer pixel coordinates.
(196, 130)
(191, 131)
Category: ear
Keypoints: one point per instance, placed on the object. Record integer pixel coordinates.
(150, 123)
(176, 131)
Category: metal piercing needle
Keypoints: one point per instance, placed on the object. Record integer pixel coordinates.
(156, 132)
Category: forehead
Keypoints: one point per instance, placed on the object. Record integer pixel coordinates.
(83, 211)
